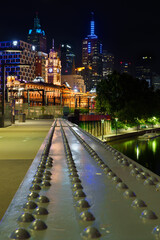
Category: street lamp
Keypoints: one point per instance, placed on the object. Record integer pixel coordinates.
(102, 121)
(153, 121)
(136, 119)
(116, 125)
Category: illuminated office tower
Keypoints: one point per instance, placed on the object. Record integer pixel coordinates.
(92, 55)
(108, 63)
(67, 58)
(37, 37)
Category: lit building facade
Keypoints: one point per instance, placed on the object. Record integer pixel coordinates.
(67, 58)
(53, 68)
(20, 53)
(108, 63)
(76, 82)
(38, 93)
(92, 55)
(37, 37)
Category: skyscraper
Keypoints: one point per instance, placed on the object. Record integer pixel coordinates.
(108, 63)
(126, 67)
(37, 37)
(144, 68)
(67, 58)
(92, 54)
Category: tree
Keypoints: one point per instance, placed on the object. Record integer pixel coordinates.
(126, 97)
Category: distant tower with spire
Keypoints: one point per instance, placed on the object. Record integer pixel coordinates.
(92, 56)
(37, 36)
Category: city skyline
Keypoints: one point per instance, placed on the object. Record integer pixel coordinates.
(125, 30)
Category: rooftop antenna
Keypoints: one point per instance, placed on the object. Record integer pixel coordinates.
(53, 43)
(92, 24)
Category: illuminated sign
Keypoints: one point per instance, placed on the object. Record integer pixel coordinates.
(33, 48)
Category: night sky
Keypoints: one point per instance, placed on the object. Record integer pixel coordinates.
(127, 28)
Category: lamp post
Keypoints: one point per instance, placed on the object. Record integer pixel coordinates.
(102, 121)
(136, 119)
(153, 121)
(116, 125)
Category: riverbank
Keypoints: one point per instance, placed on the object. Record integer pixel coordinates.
(127, 134)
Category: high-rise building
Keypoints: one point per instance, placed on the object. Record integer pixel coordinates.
(144, 69)
(37, 37)
(85, 72)
(92, 54)
(126, 67)
(22, 55)
(108, 63)
(156, 81)
(53, 68)
(40, 64)
(67, 58)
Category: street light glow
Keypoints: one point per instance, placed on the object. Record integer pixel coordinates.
(15, 43)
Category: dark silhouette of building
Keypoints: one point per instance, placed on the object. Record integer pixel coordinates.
(108, 63)
(143, 68)
(92, 55)
(126, 67)
(67, 59)
(37, 37)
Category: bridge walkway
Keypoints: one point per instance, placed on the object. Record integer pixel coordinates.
(90, 191)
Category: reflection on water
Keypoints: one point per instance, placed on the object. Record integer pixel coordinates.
(147, 153)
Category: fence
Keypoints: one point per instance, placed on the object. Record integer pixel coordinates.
(38, 111)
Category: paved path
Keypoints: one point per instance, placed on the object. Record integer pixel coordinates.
(19, 144)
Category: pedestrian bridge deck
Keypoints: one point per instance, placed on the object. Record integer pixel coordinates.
(80, 188)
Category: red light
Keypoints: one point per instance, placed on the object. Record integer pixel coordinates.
(121, 62)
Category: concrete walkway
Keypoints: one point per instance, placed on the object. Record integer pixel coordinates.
(19, 145)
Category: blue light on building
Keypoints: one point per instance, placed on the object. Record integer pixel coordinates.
(89, 47)
(30, 31)
(101, 48)
(92, 28)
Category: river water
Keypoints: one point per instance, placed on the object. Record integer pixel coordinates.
(146, 153)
